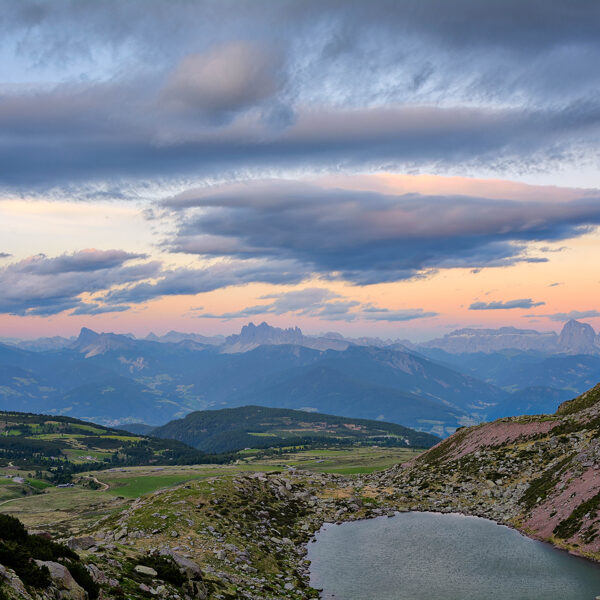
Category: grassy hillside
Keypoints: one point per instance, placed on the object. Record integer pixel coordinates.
(232, 429)
(56, 447)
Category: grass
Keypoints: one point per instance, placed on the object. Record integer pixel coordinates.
(61, 511)
(133, 482)
(351, 461)
(57, 436)
(77, 455)
(66, 510)
(137, 481)
(134, 487)
(39, 484)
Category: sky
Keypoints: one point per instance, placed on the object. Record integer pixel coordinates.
(398, 168)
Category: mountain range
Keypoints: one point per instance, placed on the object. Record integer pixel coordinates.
(575, 338)
(463, 378)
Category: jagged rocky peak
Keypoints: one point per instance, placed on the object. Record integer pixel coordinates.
(265, 334)
(578, 338)
(87, 336)
(92, 343)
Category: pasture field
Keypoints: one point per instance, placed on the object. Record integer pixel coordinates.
(63, 510)
(345, 461)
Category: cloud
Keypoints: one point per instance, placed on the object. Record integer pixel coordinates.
(303, 301)
(90, 308)
(574, 314)
(223, 80)
(44, 286)
(304, 85)
(323, 304)
(5, 255)
(509, 304)
(372, 313)
(190, 281)
(368, 237)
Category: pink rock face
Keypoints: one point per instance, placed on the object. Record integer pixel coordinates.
(497, 434)
(575, 491)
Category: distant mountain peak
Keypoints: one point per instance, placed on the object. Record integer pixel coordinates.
(264, 327)
(92, 343)
(578, 338)
(469, 340)
(87, 335)
(253, 335)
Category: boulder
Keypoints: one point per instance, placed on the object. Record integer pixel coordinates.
(11, 580)
(81, 543)
(69, 588)
(97, 575)
(189, 567)
(143, 570)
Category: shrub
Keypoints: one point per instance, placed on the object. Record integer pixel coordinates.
(18, 550)
(16, 557)
(165, 567)
(82, 576)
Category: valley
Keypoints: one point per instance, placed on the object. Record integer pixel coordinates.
(239, 530)
(221, 503)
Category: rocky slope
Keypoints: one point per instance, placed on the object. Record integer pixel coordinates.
(232, 537)
(540, 474)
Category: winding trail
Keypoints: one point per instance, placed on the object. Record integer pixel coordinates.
(105, 486)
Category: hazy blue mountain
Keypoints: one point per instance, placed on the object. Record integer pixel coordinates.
(575, 338)
(116, 379)
(252, 336)
(175, 337)
(530, 401)
(117, 400)
(471, 340)
(578, 338)
(138, 428)
(326, 390)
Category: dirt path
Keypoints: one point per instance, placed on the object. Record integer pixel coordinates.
(104, 487)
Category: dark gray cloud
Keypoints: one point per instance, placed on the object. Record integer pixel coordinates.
(78, 262)
(46, 286)
(180, 281)
(163, 89)
(509, 304)
(368, 237)
(5, 255)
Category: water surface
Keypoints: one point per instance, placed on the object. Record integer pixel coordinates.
(429, 556)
